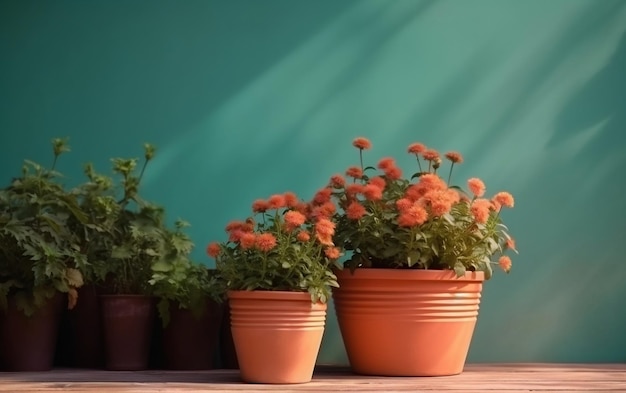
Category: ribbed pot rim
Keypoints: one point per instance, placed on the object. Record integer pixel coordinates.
(410, 274)
(269, 295)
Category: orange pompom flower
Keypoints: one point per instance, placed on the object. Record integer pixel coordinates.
(213, 249)
(454, 156)
(476, 186)
(265, 242)
(505, 263)
(504, 199)
(355, 211)
(416, 148)
(362, 143)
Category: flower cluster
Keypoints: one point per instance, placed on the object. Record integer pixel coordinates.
(389, 221)
(287, 245)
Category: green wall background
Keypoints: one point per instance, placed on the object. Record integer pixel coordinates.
(246, 98)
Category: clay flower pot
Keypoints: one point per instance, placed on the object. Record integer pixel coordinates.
(277, 335)
(189, 341)
(28, 343)
(398, 322)
(127, 322)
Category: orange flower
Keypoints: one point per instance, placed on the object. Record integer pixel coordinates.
(480, 210)
(237, 225)
(362, 143)
(393, 173)
(265, 242)
(332, 252)
(247, 240)
(291, 200)
(476, 186)
(303, 236)
(353, 189)
(403, 204)
(322, 196)
(337, 181)
(355, 172)
(213, 249)
(325, 210)
(372, 192)
(260, 206)
(235, 235)
(433, 182)
(303, 208)
(455, 157)
(505, 199)
(378, 182)
(505, 263)
(439, 201)
(324, 231)
(276, 201)
(294, 219)
(416, 148)
(413, 216)
(386, 163)
(431, 155)
(355, 211)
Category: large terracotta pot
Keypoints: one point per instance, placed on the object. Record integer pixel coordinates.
(407, 322)
(127, 322)
(28, 343)
(190, 341)
(277, 335)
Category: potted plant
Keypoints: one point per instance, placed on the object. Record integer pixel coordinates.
(97, 199)
(188, 303)
(40, 259)
(277, 266)
(409, 295)
(138, 241)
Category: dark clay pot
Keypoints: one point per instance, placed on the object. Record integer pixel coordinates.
(190, 342)
(127, 327)
(29, 343)
(85, 327)
(228, 355)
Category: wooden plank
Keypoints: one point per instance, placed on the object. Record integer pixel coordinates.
(510, 378)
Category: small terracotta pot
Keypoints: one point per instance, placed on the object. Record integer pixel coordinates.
(28, 343)
(277, 335)
(127, 326)
(407, 322)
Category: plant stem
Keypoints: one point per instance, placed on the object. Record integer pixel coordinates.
(450, 174)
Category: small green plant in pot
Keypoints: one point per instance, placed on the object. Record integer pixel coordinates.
(189, 297)
(277, 264)
(138, 240)
(40, 258)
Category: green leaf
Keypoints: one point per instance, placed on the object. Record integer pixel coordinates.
(161, 266)
(459, 269)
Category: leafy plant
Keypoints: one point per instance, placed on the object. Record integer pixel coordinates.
(288, 247)
(39, 254)
(176, 280)
(388, 221)
(139, 237)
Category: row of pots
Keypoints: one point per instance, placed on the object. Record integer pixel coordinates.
(115, 332)
(393, 323)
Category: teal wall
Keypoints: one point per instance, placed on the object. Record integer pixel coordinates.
(248, 98)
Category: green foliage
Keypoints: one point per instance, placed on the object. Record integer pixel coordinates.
(39, 254)
(288, 249)
(176, 280)
(421, 223)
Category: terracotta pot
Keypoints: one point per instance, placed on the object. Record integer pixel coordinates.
(407, 322)
(85, 327)
(277, 335)
(127, 326)
(29, 343)
(189, 342)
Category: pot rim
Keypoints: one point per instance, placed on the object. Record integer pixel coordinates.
(404, 274)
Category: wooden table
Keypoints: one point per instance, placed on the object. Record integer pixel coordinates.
(476, 378)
